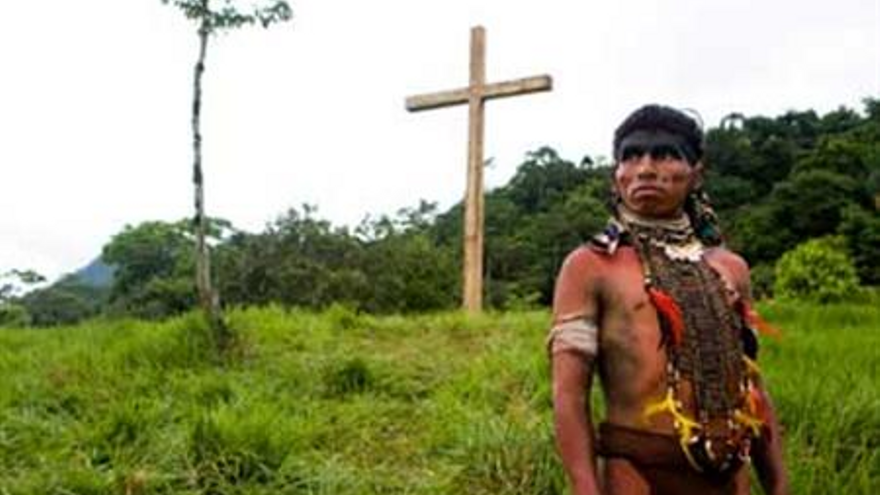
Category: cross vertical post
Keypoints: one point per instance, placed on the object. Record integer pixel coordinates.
(472, 299)
(475, 95)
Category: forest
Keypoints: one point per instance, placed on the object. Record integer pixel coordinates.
(798, 196)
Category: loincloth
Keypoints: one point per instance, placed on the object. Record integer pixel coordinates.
(661, 462)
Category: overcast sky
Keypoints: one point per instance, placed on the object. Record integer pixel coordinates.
(95, 98)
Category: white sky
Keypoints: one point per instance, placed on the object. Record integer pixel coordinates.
(95, 100)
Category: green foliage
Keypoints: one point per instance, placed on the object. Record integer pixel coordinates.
(543, 179)
(817, 270)
(14, 315)
(862, 233)
(810, 203)
(775, 182)
(549, 207)
(153, 264)
(778, 182)
(730, 191)
(300, 260)
(231, 16)
(65, 302)
(840, 155)
(389, 265)
(763, 279)
(410, 273)
(759, 235)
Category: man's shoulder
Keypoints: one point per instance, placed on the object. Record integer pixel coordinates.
(728, 257)
(581, 257)
(734, 265)
(592, 257)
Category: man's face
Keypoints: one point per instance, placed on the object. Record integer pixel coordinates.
(654, 182)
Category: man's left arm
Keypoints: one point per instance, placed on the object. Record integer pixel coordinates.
(767, 452)
(767, 449)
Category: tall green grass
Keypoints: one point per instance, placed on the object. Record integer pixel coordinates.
(340, 403)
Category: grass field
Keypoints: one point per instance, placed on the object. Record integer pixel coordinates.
(339, 403)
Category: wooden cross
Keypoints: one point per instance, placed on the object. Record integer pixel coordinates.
(475, 96)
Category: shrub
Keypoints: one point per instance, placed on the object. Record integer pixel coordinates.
(230, 447)
(818, 270)
(352, 376)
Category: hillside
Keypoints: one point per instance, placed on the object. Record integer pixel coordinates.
(339, 403)
(777, 183)
(95, 274)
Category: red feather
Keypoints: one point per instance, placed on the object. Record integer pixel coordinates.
(754, 320)
(668, 310)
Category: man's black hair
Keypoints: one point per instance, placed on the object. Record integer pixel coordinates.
(662, 118)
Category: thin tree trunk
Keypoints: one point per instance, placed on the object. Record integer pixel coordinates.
(208, 297)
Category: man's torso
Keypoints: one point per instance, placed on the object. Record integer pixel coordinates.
(632, 358)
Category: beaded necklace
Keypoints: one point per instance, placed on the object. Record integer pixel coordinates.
(703, 336)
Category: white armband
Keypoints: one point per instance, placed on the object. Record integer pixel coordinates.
(580, 335)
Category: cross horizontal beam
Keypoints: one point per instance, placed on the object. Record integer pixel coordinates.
(489, 91)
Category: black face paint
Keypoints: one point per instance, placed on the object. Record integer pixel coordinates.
(660, 145)
(657, 152)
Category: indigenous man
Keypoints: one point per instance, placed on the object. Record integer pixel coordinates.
(661, 310)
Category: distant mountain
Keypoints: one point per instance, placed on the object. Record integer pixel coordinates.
(95, 274)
